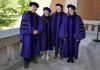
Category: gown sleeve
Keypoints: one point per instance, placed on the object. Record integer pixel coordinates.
(25, 27)
(52, 25)
(80, 29)
(40, 26)
(63, 29)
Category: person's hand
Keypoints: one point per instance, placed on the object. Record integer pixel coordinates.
(77, 40)
(35, 32)
(64, 39)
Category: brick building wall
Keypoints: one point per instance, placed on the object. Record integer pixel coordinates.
(52, 6)
(88, 9)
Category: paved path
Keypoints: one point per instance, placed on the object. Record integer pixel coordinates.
(89, 59)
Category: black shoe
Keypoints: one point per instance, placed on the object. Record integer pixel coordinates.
(69, 60)
(72, 60)
(76, 58)
(34, 61)
(26, 66)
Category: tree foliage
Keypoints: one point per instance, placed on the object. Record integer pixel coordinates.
(13, 6)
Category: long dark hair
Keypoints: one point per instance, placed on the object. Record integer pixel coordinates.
(44, 18)
(73, 14)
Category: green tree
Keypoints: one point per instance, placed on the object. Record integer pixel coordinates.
(3, 5)
(13, 7)
(24, 5)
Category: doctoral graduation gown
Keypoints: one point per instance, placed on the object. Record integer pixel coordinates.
(30, 43)
(46, 36)
(71, 30)
(57, 19)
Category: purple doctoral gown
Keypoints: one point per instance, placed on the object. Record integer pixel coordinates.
(46, 36)
(71, 30)
(30, 43)
(56, 23)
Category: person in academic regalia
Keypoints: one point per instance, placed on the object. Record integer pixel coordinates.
(46, 37)
(57, 18)
(72, 31)
(30, 30)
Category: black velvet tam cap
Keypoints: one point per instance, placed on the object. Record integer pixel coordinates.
(59, 5)
(71, 6)
(48, 9)
(34, 3)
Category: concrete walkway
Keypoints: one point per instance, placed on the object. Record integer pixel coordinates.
(89, 59)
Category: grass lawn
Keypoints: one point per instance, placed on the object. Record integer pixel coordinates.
(7, 20)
